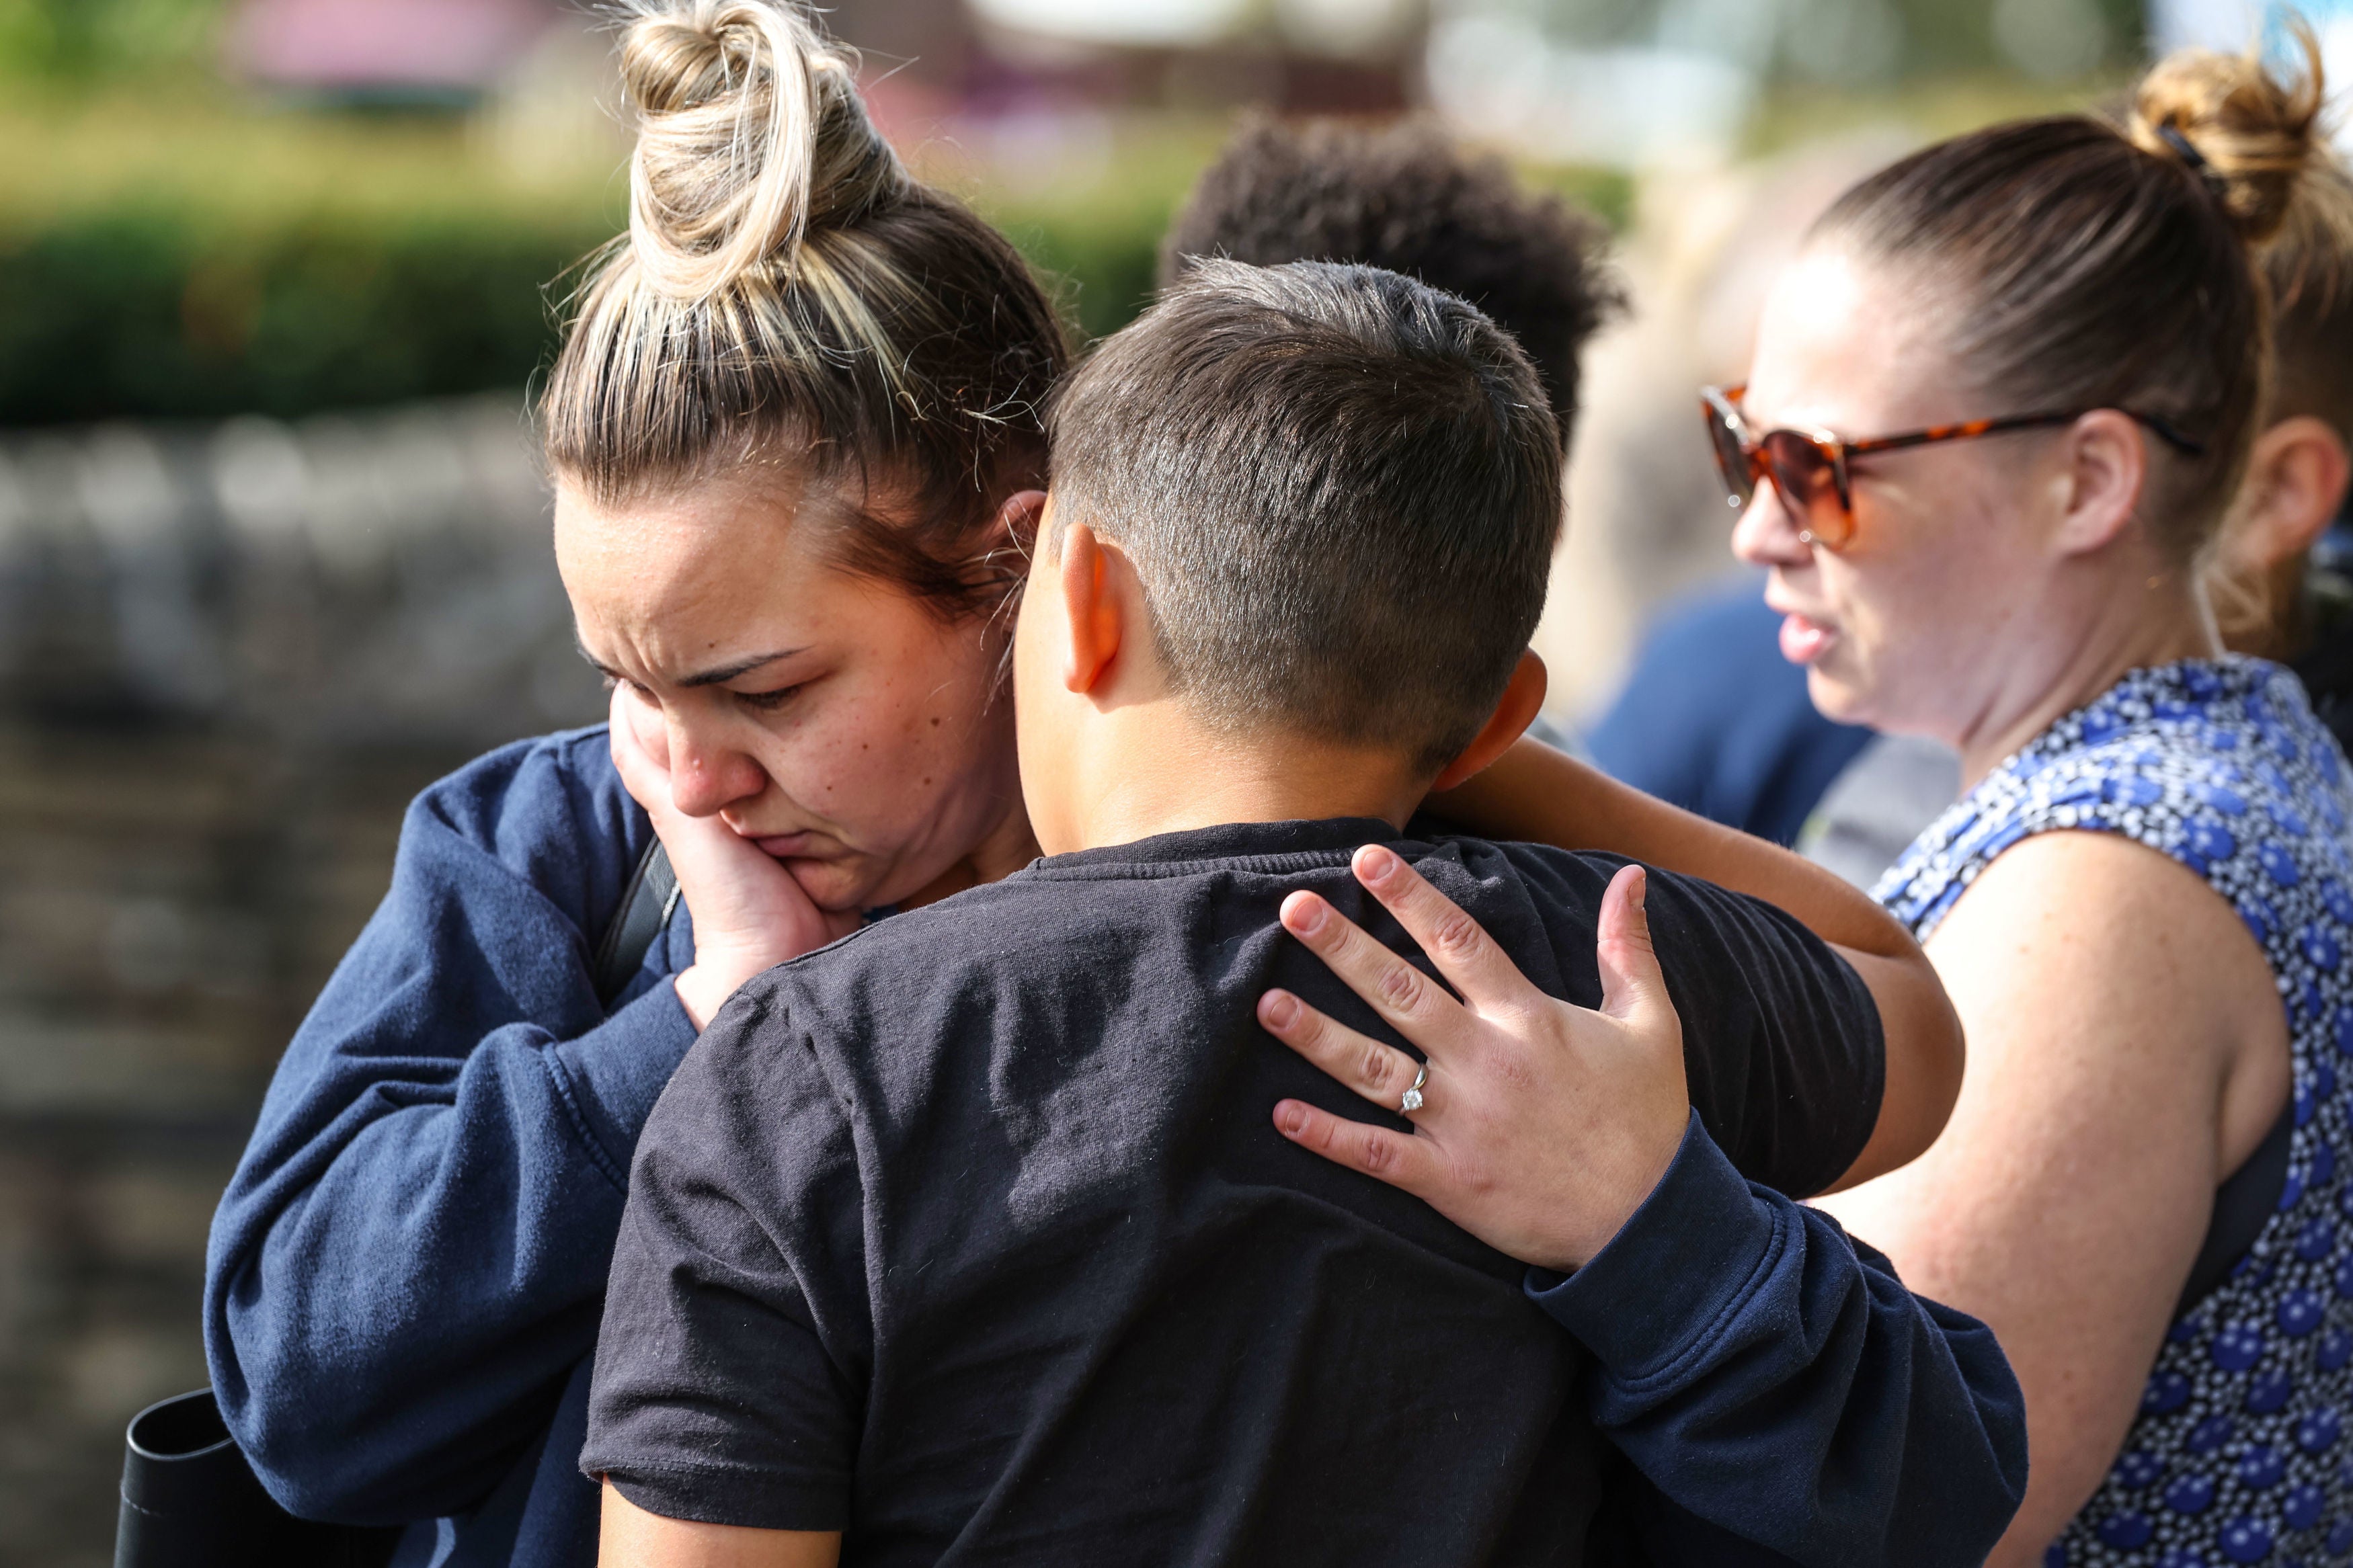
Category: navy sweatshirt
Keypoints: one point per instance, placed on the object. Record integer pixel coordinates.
(407, 1270)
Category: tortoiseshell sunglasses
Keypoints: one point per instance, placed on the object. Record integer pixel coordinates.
(1808, 471)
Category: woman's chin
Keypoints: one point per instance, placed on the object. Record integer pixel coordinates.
(1835, 699)
(838, 885)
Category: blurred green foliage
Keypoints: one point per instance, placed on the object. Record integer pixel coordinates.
(1851, 44)
(1945, 38)
(193, 258)
(165, 251)
(171, 260)
(73, 40)
(157, 311)
(169, 249)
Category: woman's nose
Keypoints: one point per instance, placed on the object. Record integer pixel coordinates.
(1766, 535)
(706, 776)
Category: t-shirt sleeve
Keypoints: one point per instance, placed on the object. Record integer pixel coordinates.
(1782, 1043)
(731, 1367)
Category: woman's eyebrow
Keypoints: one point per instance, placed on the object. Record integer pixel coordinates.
(726, 673)
(719, 677)
(593, 661)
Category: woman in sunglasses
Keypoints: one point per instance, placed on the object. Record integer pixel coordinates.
(1998, 409)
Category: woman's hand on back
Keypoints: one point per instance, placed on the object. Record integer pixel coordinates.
(1543, 1125)
(749, 913)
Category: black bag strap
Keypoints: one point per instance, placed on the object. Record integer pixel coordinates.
(646, 908)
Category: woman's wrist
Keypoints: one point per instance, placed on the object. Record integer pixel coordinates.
(705, 985)
(697, 995)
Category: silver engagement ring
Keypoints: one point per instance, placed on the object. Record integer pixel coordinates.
(1412, 1100)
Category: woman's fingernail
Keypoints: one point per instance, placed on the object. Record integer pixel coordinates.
(1374, 865)
(1291, 1116)
(1306, 916)
(1279, 1009)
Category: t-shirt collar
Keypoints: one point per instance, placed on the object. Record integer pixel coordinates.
(1326, 840)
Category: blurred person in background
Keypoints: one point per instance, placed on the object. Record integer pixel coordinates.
(1406, 199)
(1707, 716)
(2280, 577)
(795, 434)
(1998, 410)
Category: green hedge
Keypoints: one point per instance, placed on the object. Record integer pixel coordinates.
(173, 259)
(155, 312)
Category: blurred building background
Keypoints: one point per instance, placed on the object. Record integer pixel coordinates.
(275, 276)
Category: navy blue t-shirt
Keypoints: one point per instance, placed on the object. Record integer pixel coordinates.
(971, 1235)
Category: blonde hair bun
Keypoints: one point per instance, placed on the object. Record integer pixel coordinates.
(789, 295)
(2229, 120)
(750, 136)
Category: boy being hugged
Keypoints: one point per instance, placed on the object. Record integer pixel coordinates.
(976, 1237)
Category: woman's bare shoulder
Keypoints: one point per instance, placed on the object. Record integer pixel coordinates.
(2108, 942)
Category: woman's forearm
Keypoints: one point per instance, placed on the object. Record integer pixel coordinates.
(408, 1259)
(1539, 795)
(1536, 793)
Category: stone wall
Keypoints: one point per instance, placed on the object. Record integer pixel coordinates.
(229, 656)
(343, 580)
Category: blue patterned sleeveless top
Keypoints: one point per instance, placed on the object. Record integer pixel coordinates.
(2240, 1453)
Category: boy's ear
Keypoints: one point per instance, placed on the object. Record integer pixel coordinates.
(1522, 698)
(1090, 607)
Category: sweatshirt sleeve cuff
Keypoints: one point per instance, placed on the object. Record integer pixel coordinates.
(612, 1075)
(1677, 1269)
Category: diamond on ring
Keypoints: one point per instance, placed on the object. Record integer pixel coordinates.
(1412, 1100)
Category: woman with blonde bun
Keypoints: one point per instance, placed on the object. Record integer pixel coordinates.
(796, 441)
(1999, 407)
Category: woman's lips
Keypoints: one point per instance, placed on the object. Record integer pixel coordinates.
(1802, 640)
(788, 846)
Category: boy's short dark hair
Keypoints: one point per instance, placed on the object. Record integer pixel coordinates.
(1407, 197)
(1340, 489)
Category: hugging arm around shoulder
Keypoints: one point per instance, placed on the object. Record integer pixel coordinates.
(407, 1263)
(1785, 1392)
(1535, 793)
(1787, 1397)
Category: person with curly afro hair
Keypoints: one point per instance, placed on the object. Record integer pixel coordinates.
(1405, 197)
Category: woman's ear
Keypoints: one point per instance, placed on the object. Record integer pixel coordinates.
(1522, 700)
(2296, 483)
(2103, 471)
(1016, 523)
